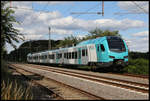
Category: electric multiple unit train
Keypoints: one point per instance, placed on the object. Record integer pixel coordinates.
(102, 51)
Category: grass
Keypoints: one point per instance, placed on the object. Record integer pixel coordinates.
(12, 88)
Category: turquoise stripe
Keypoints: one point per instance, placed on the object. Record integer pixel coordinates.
(79, 59)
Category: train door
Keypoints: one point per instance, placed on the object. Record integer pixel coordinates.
(100, 49)
(84, 56)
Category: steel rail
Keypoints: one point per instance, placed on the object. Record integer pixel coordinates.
(81, 91)
(35, 82)
(133, 87)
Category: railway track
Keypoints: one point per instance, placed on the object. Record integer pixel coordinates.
(40, 85)
(132, 75)
(138, 87)
(81, 91)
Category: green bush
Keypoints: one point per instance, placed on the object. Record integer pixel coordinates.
(138, 66)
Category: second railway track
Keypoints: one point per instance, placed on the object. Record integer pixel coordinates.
(139, 87)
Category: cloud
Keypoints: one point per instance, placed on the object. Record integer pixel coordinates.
(134, 7)
(34, 24)
(141, 34)
(139, 41)
(125, 24)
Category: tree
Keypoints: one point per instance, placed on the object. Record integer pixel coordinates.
(99, 33)
(68, 41)
(8, 32)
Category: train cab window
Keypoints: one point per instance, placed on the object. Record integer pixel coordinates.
(83, 52)
(102, 47)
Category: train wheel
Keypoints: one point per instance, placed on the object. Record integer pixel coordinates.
(93, 67)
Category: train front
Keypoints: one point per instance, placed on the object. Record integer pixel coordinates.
(113, 52)
(117, 51)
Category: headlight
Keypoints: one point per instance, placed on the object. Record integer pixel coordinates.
(125, 56)
(112, 57)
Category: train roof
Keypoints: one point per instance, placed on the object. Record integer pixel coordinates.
(96, 40)
(83, 43)
(91, 41)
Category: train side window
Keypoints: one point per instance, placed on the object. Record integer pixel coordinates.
(64, 55)
(102, 47)
(86, 52)
(67, 55)
(70, 55)
(75, 55)
(60, 55)
(52, 56)
(83, 52)
(45, 56)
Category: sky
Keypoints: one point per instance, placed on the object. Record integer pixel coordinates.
(130, 18)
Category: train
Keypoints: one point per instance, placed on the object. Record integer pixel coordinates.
(99, 52)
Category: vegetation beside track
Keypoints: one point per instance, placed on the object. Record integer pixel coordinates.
(137, 66)
(12, 88)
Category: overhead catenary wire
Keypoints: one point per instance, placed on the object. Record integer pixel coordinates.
(88, 10)
(131, 12)
(140, 7)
